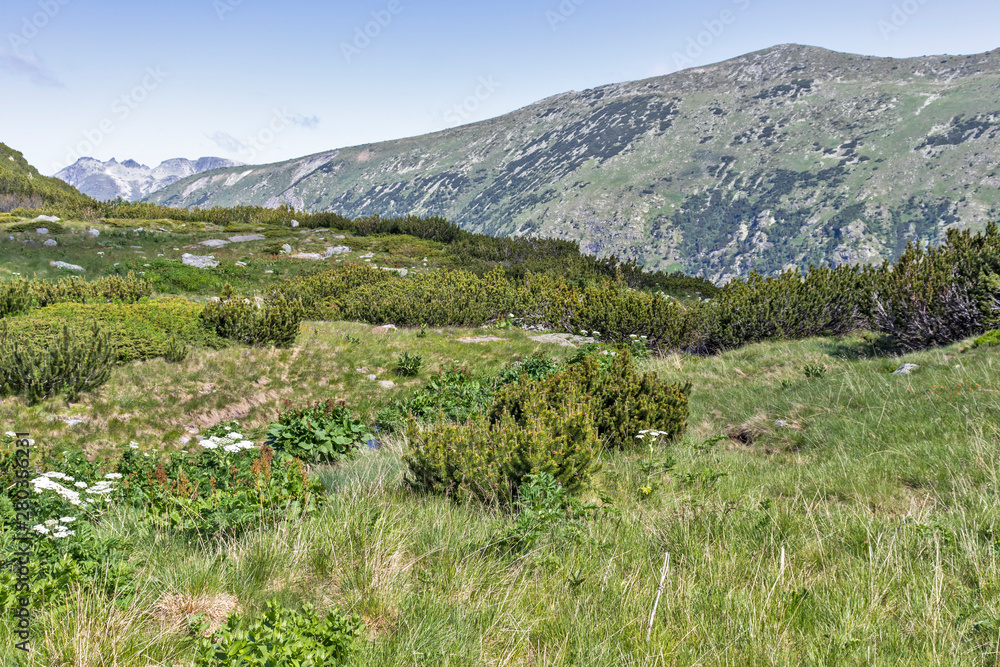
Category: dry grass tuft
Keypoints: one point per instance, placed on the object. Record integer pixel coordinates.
(175, 610)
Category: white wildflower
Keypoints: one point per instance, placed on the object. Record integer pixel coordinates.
(40, 529)
(134, 444)
(68, 519)
(113, 475)
(81, 485)
(65, 533)
(51, 522)
(11, 434)
(58, 475)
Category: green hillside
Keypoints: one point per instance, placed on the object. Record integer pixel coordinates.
(21, 186)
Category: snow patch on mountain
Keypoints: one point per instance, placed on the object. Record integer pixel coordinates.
(131, 180)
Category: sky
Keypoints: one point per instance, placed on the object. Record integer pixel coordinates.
(263, 81)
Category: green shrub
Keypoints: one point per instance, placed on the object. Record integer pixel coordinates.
(820, 302)
(137, 331)
(988, 339)
(452, 394)
(409, 365)
(129, 288)
(535, 367)
(489, 461)
(441, 298)
(29, 226)
(281, 636)
(272, 321)
(321, 432)
(175, 351)
(321, 293)
(15, 297)
(77, 360)
(941, 295)
(621, 401)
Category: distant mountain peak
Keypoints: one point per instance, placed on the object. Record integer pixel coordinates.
(132, 180)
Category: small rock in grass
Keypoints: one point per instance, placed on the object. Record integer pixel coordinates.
(94, 232)
(214, 243)
(66, 265)
(905, 369)
(372, 377)
(285, 249)
(50, 242)
(42, 230)
(295, 223)
(780, 423)
(243, 238)
(46, 218)
(240, 263)
(308, 255)
(387, 384)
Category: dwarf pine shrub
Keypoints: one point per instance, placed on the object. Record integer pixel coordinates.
(15, 297)
(488, 461)
(129, 288)
(620, 400)
(272, 321)
(441, 298)
(922, 301)
(77, 360)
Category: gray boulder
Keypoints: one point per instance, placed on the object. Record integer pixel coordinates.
(46, 218)
(94, 232)
(50, 242)
(200, 261)
(295, 223)
(285, 249)
(42, 230)
(214, 243)
(308, 255)
(243, 238)
(905, 369)
(336, 250)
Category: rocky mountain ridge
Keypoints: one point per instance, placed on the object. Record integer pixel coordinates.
(130, 180)
(784, 157)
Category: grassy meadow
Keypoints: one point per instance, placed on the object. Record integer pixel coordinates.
(819, 510)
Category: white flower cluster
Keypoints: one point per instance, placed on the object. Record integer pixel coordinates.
(56, 527)
(47, 482)
(231, 442)
(652, 433)
(637, 337)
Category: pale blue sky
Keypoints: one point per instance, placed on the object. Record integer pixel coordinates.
(265, 81)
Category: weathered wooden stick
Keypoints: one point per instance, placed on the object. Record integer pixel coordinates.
(659, 591)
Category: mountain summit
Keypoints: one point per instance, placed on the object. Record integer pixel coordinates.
(784, 157)
(131, 180)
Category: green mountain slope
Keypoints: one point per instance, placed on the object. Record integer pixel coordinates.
(783, 157)
(22, 185)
